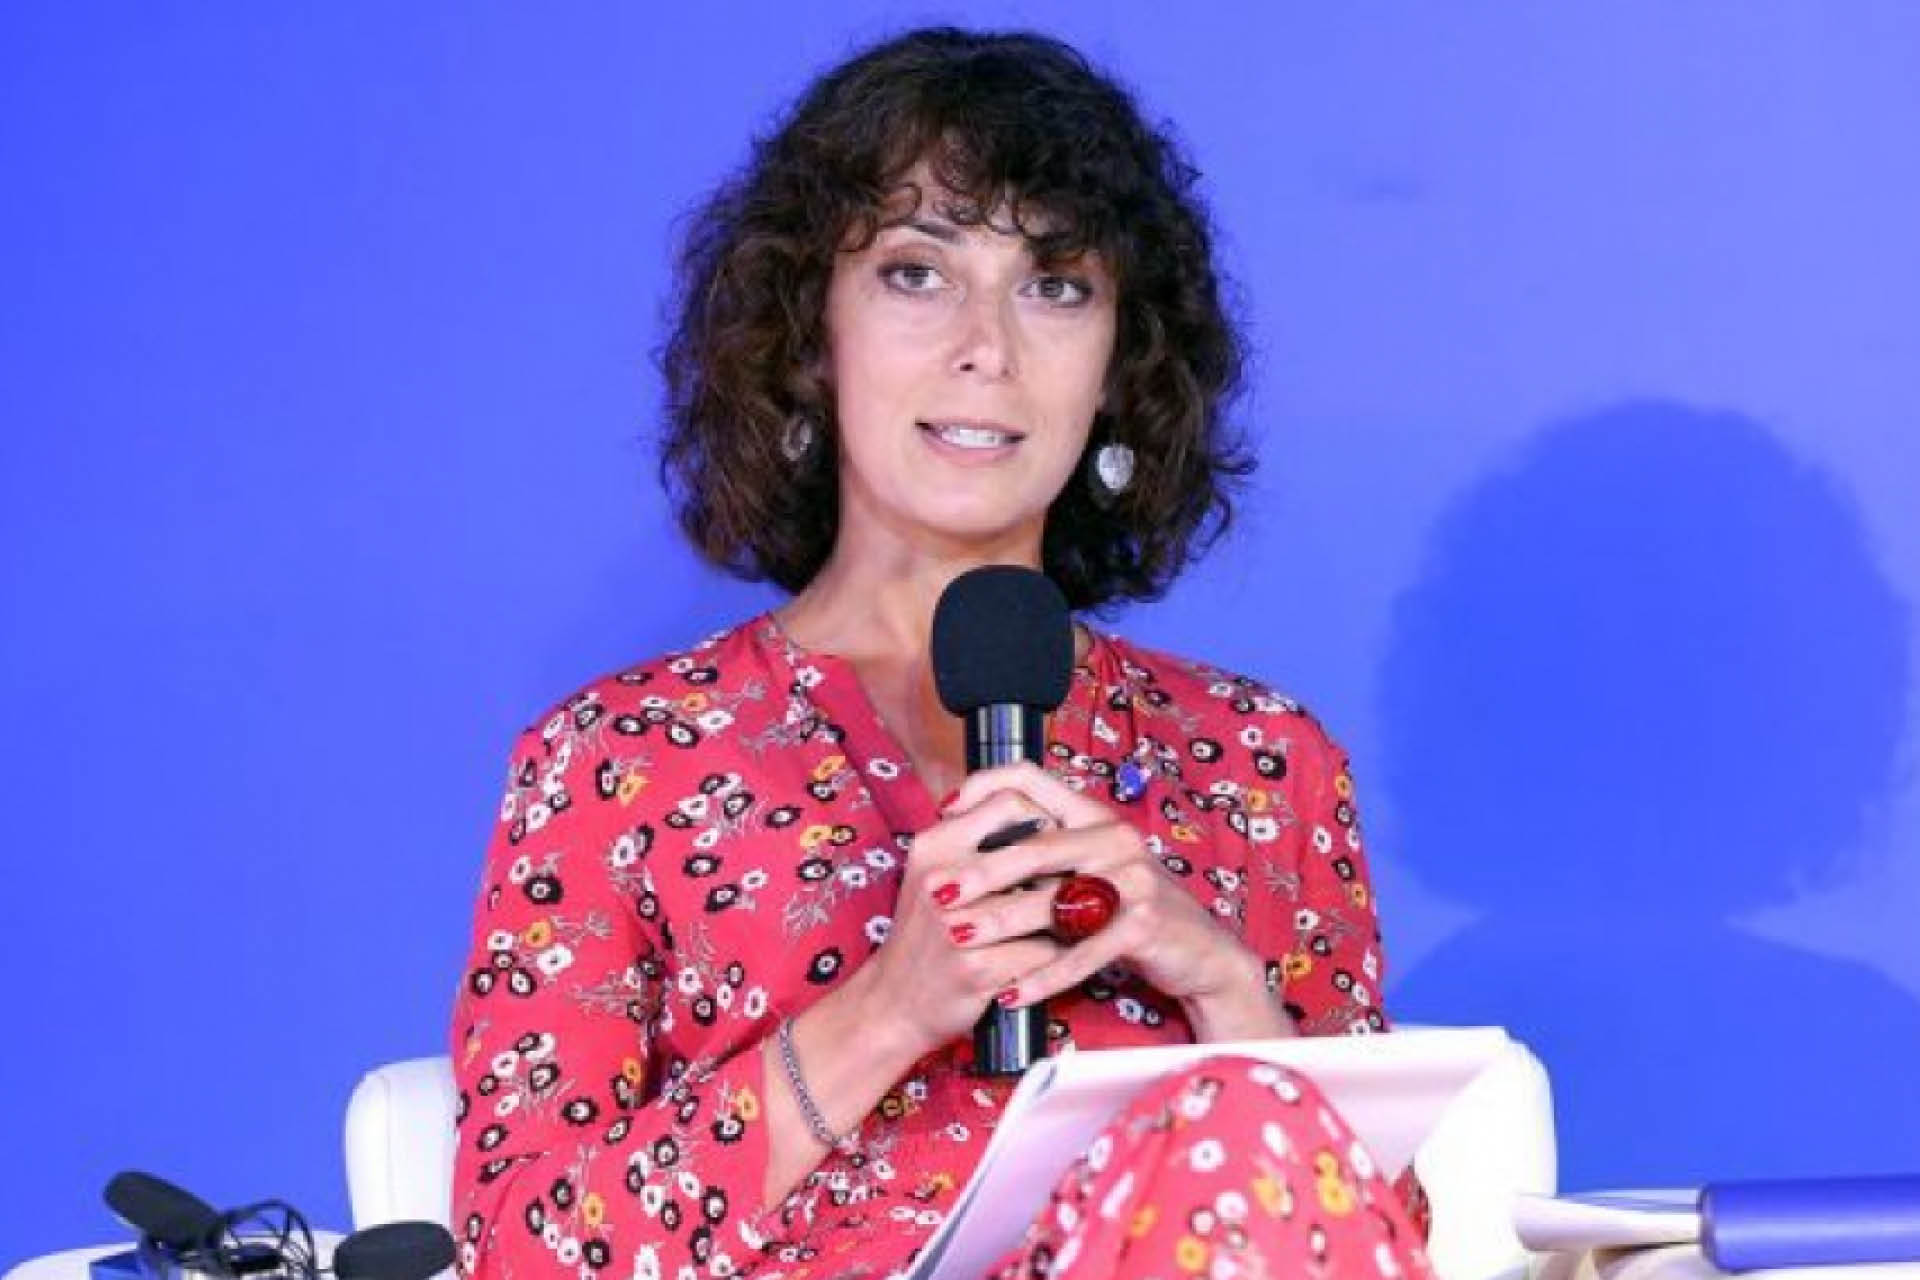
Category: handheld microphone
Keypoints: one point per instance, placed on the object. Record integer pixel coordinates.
(173, 1218)
(394, 1251)
(1002, 659)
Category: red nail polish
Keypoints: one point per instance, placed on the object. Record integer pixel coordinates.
(1008, 997)
(946, 801)
(961, 934)
(945, 894)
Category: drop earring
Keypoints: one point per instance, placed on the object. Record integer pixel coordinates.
(1110, 472)
(797, 438)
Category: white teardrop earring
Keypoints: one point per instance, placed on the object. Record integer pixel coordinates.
(1111, 472)
(797, 438)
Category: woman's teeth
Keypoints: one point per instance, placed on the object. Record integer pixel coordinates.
(970, 437)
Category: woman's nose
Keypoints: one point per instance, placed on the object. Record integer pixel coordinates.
(986, 342)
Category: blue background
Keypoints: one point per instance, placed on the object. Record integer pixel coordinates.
(1588, 368)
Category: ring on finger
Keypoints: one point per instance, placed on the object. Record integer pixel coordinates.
(1083, 905)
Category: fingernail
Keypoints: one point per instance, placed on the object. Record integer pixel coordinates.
(1009, 997)
(944, 895)
(961, 934)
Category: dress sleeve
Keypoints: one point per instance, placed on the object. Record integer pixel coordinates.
(1311, 911)
(582, 1144)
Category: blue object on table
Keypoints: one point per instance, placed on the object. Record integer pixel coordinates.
(1129, 782)
(1810, 1222)
(124, 1265)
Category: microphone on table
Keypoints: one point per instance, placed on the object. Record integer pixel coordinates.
(180, 1231)
(1002, 659)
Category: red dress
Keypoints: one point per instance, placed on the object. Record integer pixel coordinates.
(692, 849)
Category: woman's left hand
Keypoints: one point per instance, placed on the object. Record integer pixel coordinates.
(1159, 928)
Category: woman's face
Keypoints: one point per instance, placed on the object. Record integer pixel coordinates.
(965, 379)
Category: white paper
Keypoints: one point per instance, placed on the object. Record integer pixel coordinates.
(1390, 1088)
(1607, 1219)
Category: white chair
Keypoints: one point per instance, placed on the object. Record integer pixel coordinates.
(1497, 1139)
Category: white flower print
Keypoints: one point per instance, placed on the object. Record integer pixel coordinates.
(500, 940)
(886, 770)
(1275, 1139)
(714, 720)
(854, 876)
(1263, 829)
(537, 815)
(504, 1064)
(1116, 1198)
(555, 960)
(756, 1002)
(878, 928)
(880, 859)
(1207, 1155)
(1231, 1206)
(754, 879)
(1322, 840)
(522, 868)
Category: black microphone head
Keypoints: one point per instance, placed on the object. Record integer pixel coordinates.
(155, 1207)
(1001, 634)
(394, 1251)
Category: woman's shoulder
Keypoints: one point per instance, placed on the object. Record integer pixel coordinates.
(1214, 693)
(684, 694)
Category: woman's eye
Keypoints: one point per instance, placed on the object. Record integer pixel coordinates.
(1063, 289)
(912, 277)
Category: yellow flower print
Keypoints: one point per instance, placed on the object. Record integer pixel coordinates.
(747, 1103)
(1343, 785)
(633, 1071)
(814, 836)
(538, 934)
(1298, 965)
(593, 1210)
(1143, 1221)
(1272, 1196)
(694, 703)
(828, 767)
(1257, 800)
(1358, 892)
(631, 786)
(939, 1182)
(1190, 1255)
(1336, 1197)
(1183, 833)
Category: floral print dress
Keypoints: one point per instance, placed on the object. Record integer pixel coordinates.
(692, 849)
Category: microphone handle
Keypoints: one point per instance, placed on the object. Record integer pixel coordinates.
(1007, 1041)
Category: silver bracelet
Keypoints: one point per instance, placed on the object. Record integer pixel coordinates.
(809, 1109)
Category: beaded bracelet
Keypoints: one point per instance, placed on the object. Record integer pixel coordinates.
(809, 1109)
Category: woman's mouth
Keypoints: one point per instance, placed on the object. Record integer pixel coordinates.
(971, 437)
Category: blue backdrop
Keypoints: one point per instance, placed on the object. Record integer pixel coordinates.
(1587, 387)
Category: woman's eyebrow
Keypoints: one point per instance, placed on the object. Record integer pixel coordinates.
(945, 232)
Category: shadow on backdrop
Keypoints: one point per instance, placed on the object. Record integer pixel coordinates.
(1650, 680)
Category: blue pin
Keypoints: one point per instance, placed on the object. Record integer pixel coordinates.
(1129, 782)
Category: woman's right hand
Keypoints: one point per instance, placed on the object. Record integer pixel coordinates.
(921, 977)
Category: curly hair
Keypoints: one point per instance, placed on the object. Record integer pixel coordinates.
(1017, 128)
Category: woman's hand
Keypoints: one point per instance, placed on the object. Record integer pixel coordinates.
(932, 976)
(1160, 930)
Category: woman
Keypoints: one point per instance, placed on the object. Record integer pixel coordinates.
(959, 309)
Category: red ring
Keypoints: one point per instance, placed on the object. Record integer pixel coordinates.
(1083, 905)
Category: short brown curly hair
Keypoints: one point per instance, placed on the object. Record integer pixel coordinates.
(1015, 126)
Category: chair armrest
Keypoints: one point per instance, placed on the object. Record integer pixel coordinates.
(400, 1143)
(1494, 1141)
